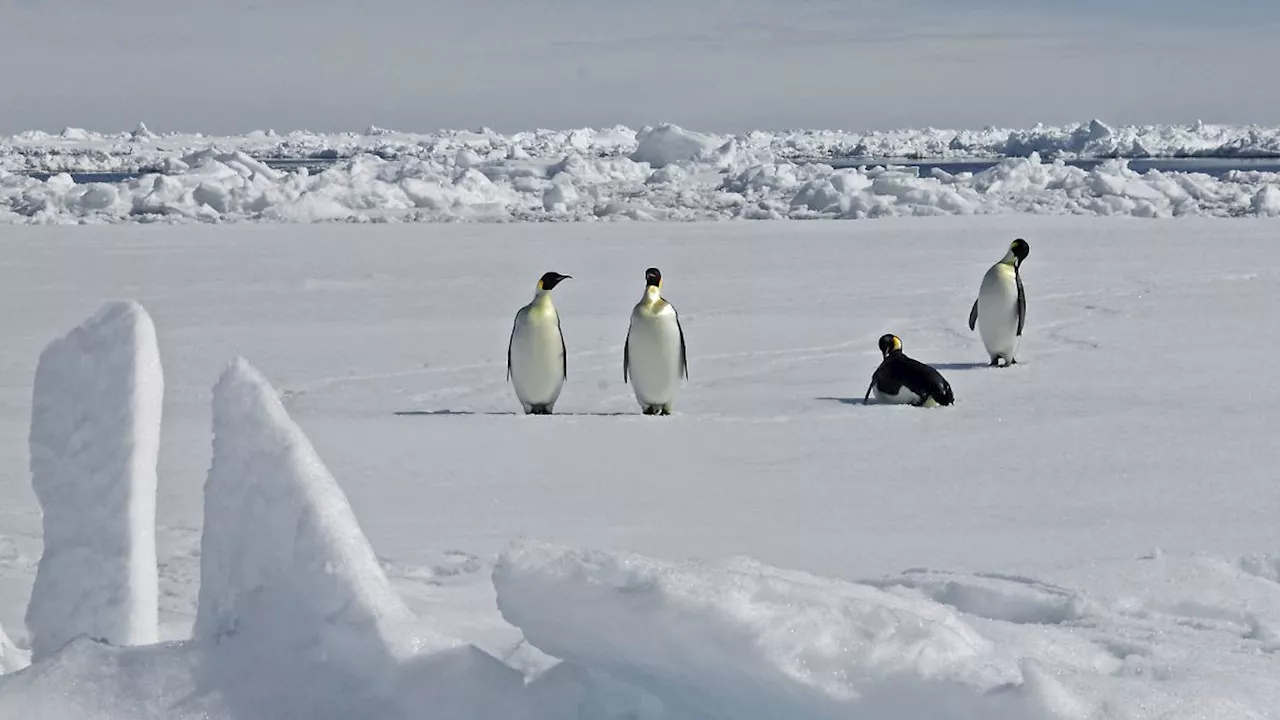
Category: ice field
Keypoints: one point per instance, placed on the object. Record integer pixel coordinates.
(662, 172)
(1089, 534)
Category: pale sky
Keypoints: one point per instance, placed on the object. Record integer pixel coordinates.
(715, 65)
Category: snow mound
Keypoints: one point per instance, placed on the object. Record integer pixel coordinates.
(95, 440)
(669, 144)
(12, 658)
(743, 640)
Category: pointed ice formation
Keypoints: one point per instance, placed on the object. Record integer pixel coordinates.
(281, 545)
(95, 439)
(290, 586)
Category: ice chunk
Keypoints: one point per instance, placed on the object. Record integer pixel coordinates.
(667, 144)
(290, 587)
(95, 438)
(12, 658)
(1266, 202)
(282, 553)
(295, 617)
(744, 640)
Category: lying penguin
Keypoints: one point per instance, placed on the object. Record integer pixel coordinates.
(902, 380)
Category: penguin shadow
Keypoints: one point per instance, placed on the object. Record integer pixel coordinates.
(960, 365)
(417, 413)
(846, 400)
(446, 413)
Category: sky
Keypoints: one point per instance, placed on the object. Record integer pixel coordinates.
(714, 65)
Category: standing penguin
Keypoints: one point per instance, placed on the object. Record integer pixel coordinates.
(902, 380)
(1001, 308)
(654, 355)
(536, 362)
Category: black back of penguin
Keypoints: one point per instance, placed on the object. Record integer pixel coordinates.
(898, 370)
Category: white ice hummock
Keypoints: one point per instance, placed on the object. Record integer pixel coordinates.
(282, 551)
(743, 640)
(95, 440)
(290, 587)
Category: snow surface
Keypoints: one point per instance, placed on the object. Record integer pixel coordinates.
(663, 172)
(1098, 519)
(95, 442)
(12, 657)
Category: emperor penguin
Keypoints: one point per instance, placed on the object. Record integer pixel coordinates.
(1001, 308)
(654, 356)
(902, 380)
(536, 362)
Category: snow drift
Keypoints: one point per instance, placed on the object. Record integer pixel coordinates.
(743, 640)
(95, 440)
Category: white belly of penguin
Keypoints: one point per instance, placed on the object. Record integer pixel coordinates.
(537, 358)
(904, 396)
(998, 311)
(653, 349)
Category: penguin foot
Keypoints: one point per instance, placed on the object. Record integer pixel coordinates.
(652, 410)
(665, 411)
(539, 410)
(995, 362)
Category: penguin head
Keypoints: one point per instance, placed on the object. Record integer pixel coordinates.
(889, 344)
(1019, 249)
(653, 277)
(550, 280)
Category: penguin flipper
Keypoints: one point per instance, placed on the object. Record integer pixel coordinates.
(1022, 303)
(626, 355)
(511, 340)
(866, 398)
(684, 355)
(564, 354)
(973, 315)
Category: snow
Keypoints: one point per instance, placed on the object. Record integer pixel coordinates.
(295, 617)
(288, 580)
(662, 172)
(742, 640)
(1089, 534)
(718, 186)
(85, 151)
(284, 567)
(669, 144)
(95, 441)
(12, 657)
